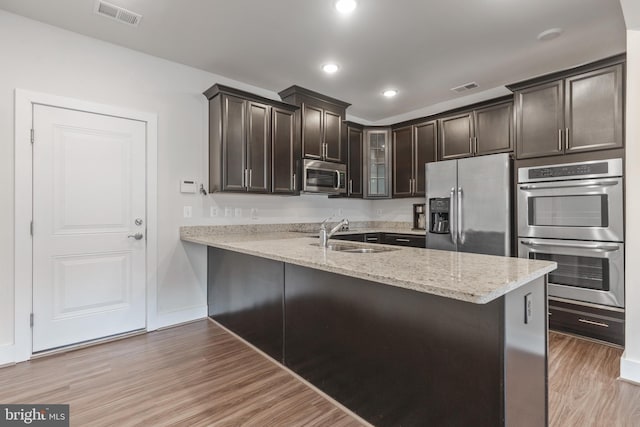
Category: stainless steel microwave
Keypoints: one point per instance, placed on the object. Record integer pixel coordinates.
(324, 177)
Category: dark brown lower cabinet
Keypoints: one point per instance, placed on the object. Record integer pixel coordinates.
(587, 321)
(398, 239)
(394, 356)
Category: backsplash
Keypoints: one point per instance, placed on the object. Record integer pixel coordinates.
(233, 209)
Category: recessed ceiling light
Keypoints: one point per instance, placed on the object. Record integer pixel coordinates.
(346, 6)
(549, 34)
(390, 93)
(330, 68)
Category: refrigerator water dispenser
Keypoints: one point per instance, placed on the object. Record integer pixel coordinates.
(439, 215)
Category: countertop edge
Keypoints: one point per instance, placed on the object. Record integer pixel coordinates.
(458, 295)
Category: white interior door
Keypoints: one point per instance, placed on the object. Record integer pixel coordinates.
(88, 203)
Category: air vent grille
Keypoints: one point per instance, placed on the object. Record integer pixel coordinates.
(117, 13)
(465, 87)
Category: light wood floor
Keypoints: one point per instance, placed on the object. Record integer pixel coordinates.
(199, 375)
(583, 386)
(192, 375)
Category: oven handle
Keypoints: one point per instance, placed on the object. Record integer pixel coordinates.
(608, 248)
(338, 179)
(571, 185)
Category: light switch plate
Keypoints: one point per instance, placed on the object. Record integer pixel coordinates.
(188, 185)
(187, 211)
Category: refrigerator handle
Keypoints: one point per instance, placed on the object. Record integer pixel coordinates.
(459, 216)
(452, 216)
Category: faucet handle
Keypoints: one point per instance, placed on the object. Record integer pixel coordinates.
(324, 222)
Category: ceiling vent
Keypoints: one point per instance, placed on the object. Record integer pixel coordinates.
(465, 87)
(117, 13)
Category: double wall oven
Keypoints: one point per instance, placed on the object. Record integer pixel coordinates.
(573, 214)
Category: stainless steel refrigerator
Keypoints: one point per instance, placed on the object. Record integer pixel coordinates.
(469, 205)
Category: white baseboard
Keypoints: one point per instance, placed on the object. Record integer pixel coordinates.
(7, 355)
(184, 315)
(629, 369)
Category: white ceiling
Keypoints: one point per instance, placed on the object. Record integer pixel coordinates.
(421, 47)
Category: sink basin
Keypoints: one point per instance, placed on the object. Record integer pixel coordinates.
(342, 247)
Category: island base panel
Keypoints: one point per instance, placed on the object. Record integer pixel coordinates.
(395, 356)
(245, 294)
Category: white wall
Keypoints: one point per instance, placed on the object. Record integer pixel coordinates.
(630, 362)
(41, 58)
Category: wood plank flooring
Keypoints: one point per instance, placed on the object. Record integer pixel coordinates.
(583, 386)
(200, 375)
(192, 375)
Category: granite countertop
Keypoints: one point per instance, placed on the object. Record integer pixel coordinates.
(468, 277)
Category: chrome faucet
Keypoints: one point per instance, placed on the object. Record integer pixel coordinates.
(326, 235)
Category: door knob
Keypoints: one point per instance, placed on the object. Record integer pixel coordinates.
(138, 221)
(137, 236)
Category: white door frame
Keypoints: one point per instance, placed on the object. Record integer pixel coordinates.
(23, 202)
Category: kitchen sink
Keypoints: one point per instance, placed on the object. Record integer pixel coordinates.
(354, 249)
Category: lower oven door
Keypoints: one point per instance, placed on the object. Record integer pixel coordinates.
(587, 271)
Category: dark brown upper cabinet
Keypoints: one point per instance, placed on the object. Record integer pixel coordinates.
(320, 120)
(484, 130)
(252, 143)
(425, 140)
(413, 146)
(578, 112)
(493, 129)
(285, 151)
(355, 135)
(456, 136)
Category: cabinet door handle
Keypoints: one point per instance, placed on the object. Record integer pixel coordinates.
(566, 139)
(475, 138)
(591, 322)
(350, 186)
(559, 139)
(403, 240)
(250, 177)
(471, 144)
(244, 178)
(293, 184)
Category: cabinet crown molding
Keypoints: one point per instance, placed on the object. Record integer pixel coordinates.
(218, 89)
(297, 90)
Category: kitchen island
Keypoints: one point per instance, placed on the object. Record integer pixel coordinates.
(401, 337)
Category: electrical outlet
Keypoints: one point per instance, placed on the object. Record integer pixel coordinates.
(213, 211)
(379, 212)
(187, 211)
(238, 212)
(340, 211)
(228, 211)
(254, 213)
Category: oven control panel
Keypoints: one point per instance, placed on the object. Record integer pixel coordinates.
(569, 170)
(586, 170)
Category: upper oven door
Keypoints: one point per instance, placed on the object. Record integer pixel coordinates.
(588, 209)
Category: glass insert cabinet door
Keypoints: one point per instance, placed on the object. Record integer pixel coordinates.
(377, 163)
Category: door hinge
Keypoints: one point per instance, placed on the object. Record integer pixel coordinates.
(32, 137)
(31, 320)
(31, 228)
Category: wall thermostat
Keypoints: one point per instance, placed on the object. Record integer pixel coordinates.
(188, 186)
